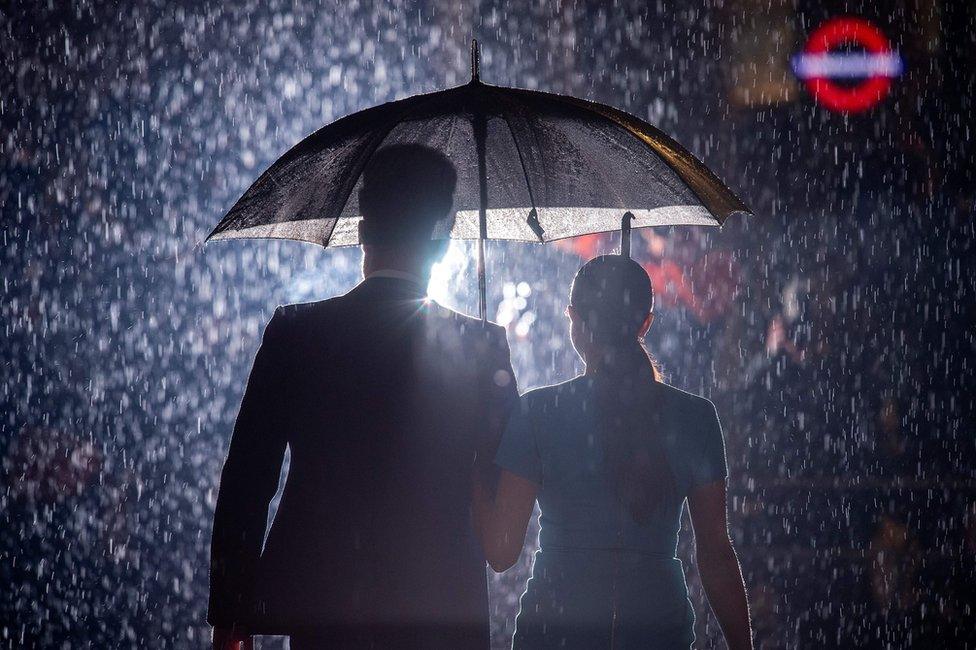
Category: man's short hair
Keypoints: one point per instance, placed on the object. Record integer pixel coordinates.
(407, 189)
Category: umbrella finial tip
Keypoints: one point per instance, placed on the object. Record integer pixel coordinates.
(475, 60)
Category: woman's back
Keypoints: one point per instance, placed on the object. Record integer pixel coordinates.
(555, 440)
(600, 576)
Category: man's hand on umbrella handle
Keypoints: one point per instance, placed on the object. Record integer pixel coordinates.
(227, 639)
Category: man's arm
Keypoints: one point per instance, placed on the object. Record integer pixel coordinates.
(248, 483)
(501, 394)
(501, 508)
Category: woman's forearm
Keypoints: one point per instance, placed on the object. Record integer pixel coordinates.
(721, 577)
(482, 504)
(498, 549)
(500, 519)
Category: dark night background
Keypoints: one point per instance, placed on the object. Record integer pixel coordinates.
(833, 329)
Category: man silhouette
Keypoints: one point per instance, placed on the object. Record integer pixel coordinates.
(388, 402)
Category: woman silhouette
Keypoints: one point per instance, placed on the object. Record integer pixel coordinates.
(612, 455)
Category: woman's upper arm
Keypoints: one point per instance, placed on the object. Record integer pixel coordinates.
(518, 452)
(709, 514)
(514, 501)
(521, 474)
(710, 464)
(707, 498)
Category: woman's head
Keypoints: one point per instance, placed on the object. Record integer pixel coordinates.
(610, 306)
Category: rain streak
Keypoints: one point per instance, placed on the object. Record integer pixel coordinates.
(833, 329)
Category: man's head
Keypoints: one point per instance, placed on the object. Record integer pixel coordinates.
(407, 189)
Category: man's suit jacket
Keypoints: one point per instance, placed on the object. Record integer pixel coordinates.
(384, 400)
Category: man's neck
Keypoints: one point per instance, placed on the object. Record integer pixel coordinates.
(397, 274)
(393, 259)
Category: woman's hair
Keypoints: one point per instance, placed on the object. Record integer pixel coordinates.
(612, 296)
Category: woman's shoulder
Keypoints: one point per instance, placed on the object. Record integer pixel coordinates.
(554, 394)
(567, 387)
(682, 400)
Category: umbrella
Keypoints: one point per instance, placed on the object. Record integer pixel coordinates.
(532, 166)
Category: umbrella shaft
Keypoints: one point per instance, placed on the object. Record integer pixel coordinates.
(482, 282)
(480, 137)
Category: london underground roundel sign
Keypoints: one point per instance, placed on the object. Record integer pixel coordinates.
(848, 64)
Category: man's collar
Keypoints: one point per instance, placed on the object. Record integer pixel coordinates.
(399, 275)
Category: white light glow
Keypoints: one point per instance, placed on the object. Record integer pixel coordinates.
(444, 275)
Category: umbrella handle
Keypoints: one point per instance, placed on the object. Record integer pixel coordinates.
(625, 222)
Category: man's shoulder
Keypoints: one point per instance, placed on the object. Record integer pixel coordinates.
(309, 316)
(296, 319)
(466, 324)
(301, 311)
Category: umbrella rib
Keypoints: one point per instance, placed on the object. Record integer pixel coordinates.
(663, 179)
(615, 123)
(539, 145)
(525, 171)
(612, 188)
(525, 175)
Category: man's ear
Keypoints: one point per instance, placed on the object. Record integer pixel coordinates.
(646, 326)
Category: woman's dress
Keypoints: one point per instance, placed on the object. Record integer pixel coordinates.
(600, 579)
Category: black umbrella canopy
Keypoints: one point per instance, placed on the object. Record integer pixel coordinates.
(578, 164)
